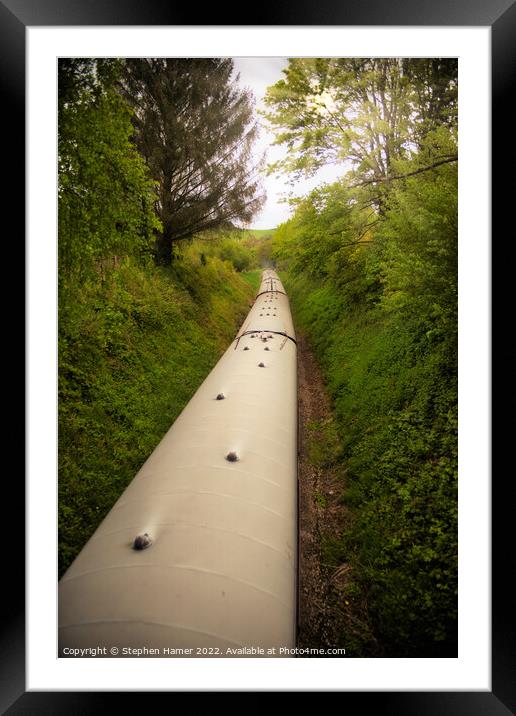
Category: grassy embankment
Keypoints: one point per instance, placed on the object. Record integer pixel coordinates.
(394, 398)
(131, 354)
(253, 278)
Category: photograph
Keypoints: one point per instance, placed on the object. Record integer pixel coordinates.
(257, 328)
(259, 313)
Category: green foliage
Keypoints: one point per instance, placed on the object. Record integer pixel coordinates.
(323, 445)
(106, 199)
(244, 250)
(320, 500)
(367, 111)
(381, 314)
(131, 354)
(253, 278)
(236, 253)
(419, 240)
(395, 408)
(333, 552)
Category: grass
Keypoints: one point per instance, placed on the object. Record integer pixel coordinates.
(320, 499)
(395, 420)
(253, 278)
(131, 355)
(323, 445)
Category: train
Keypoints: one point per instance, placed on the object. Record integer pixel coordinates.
(198, 557)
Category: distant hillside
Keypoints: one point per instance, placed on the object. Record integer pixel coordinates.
(259, 232)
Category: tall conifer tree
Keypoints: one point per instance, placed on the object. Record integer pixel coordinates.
(195, 128)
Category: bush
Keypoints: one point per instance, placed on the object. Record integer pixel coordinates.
(131, 354)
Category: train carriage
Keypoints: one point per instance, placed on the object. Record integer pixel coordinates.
(198, 556)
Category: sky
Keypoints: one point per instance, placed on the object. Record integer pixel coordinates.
(258, 73)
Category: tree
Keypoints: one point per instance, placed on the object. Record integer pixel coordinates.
(105, 194)
(376, 295)
(369, 112)
(195, 128)
(340, 109)
(434, 83)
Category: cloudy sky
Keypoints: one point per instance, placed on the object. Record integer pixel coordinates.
(258, 73)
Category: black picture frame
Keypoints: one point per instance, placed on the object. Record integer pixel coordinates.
(500, 16)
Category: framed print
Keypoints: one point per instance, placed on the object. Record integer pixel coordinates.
(479, 678)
